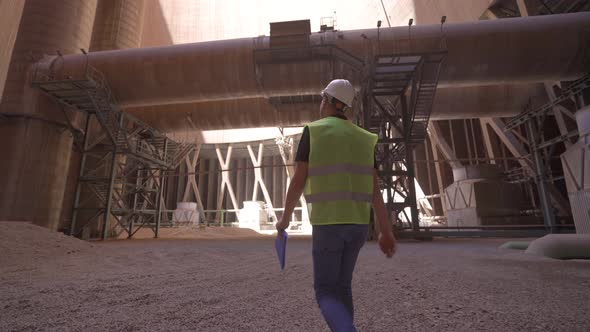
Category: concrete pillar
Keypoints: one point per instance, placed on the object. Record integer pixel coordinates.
(219, 184)
(118, 25)
(267, 174)
(283, 185)
(275, 182)
(11, 14)
(240, 179)
(233, 175)
(249, 179)
(211, 184)
(181, 181)
(246, 170)
(33, 182)
(202, 180)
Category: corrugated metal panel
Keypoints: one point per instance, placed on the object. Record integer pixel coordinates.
(580, 202)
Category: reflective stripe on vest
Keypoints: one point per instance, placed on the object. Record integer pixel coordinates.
(339, 188)
(340, 168)
(339, 196)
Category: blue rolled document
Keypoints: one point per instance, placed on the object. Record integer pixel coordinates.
(281, 247)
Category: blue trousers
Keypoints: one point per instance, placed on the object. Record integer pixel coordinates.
(335, 251)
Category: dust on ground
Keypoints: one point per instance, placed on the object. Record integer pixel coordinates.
(51, 282)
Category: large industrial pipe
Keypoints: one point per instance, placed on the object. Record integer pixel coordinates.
(508, 51)
(450, 103)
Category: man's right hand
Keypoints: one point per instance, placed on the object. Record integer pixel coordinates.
(387, 243)
(282, 225)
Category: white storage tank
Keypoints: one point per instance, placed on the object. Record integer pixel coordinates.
(252, 215)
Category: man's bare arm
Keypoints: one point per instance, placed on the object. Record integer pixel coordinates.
(293, 193)
(387, 241)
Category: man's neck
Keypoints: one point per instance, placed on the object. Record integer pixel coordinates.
(339, 115)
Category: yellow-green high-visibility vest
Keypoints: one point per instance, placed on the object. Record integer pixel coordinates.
(339, 187)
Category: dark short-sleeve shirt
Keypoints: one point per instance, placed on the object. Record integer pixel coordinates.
(304, 145)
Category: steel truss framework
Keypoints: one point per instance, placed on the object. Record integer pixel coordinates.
(398, 92)
(397, 104)
(542, 148)
(123, 164)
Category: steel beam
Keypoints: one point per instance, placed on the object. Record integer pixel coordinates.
(511, 142)
(437, 167)
(521, 154)
(541, 179)
(109, 202)
(487, 140)
(191, 165)
(522, 8)
(224, 163)
(563, 131)
(259, 180)
(435, 135)
(80, 174)
(286, 149)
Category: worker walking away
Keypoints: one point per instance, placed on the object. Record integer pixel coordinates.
(335, 164)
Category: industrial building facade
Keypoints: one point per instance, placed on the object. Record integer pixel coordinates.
(113, 112)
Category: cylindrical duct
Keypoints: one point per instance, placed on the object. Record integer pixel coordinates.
(508, 51)
(449, 103)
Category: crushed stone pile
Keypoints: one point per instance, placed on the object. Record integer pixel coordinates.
(194, 232)
(24, 241)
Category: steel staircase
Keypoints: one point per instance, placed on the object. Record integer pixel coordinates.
(122, 172)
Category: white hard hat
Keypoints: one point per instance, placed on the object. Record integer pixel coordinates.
(341, 90)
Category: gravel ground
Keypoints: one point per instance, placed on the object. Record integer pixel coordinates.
(236, 285)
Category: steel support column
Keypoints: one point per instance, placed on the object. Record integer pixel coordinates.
(191, 183)
(487, 141)
(541, 180)
(259, 180)
(399, 96)
(80, 174)
(286, 149)
(411, 196)
(107, 211)
(224, 164)
(436, 136)
(437, 168)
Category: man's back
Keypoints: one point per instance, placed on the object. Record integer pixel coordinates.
(340, 182)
